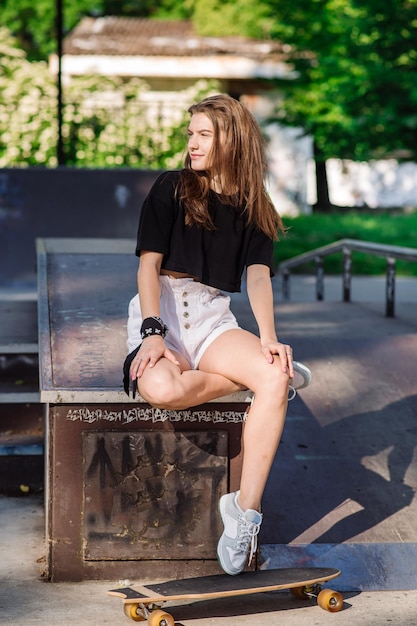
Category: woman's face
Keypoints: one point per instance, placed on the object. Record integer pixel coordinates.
(200, 141)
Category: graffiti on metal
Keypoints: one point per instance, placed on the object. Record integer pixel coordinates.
(153, 495)
(136, 414)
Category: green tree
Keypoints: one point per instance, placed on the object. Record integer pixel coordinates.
(357, 92)
(34, 23)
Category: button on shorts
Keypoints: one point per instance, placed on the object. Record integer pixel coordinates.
(195, 314)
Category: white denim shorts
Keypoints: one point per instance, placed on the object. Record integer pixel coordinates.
(195, 314)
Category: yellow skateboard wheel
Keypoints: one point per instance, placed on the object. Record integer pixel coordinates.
(330, 600)
(160, 618)
(131, 611)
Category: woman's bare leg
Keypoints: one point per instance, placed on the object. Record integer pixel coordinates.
(167, 386)
(239, 352)
(261, 438)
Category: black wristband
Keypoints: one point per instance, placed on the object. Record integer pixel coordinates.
(153, 326)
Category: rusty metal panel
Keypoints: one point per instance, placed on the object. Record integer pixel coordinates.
(153, 495)
(71, 472)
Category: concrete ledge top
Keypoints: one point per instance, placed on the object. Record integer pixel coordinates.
(115, 396)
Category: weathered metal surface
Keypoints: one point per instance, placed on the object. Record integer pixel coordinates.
(153, 495)
(19, 378)
(18, 326)
(83, 312)
(64, 202)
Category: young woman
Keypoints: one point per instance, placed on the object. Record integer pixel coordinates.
(200, 229)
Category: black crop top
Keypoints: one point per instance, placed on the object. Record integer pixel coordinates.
(216, 257)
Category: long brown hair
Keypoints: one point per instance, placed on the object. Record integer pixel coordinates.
(239, 164)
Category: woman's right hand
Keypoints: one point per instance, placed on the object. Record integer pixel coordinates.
(152, 349)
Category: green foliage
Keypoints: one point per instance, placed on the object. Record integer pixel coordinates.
(308, 232)
(105, 121)
(34, 23)
(27, 108)
(125, 132)
(357, 92)
(220, 18)
(172, 9)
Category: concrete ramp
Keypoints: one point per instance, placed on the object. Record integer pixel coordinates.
(342, 492)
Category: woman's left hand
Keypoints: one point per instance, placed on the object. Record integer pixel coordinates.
(274, 348)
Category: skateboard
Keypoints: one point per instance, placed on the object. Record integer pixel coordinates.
(145, 602)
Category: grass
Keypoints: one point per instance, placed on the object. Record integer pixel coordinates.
(307, 232)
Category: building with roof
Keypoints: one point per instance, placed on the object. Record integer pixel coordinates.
(169, 54)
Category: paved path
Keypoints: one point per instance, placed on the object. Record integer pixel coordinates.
(25, 600)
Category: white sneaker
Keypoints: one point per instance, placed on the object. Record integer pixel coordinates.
(241, 530)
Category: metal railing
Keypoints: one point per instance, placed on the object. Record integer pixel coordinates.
(346, 246)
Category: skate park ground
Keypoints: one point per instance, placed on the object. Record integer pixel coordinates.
(341, 493)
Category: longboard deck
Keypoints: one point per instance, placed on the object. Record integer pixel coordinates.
(222, 585)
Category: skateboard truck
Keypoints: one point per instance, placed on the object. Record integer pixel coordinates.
(327, 599)
(152, 612)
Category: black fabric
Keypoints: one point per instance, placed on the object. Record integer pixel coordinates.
(215, 257)
(153, 326)
(128, 383)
